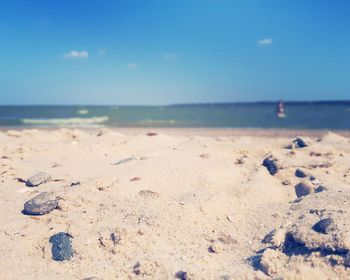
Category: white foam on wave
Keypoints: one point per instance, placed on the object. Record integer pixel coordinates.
(83, 112)
(150, 121)
(94, 121)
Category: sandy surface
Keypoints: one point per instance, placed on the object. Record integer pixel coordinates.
(193, 205)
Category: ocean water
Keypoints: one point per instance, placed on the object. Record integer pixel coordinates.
(299, 115)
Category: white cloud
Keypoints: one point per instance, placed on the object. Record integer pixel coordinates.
(265, 41)
(102, 51)
(77, 54)
(170, 56)
(131, 65)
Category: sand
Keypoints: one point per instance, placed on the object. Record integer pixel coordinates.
(175, 205)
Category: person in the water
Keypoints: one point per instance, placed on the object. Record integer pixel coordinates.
(280, 110)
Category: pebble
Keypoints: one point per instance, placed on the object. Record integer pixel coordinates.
(323, 226)
(42, 204)
(148, 194)
(38, 179)
(304, 188)
(299, 143)
(300, 173)
(124, 160)
(215, 248)
(271, 165)
(286, 182)
(75, 183)
(61, 246)
(183, 275)
(320, 189)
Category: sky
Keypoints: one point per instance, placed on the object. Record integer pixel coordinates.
(151, 52)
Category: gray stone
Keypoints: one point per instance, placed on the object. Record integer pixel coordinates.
(38, 179)
(304, 188)
(40, 205)
(323, 226)
(320, 189)
(61, 246)
(300, 173)
(299, 143)
(271, 164)
(183, 275)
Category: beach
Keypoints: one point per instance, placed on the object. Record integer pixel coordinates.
(176, 203)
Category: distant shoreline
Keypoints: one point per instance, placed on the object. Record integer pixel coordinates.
(207, 132)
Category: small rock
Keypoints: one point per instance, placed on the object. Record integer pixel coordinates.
(38, 179)
(312, 178)
(42, 204)
(148, 194)
(124, 160)
(323, 226)
(151, 134)
(135, 179)
(286, 182)
(304, 188)
(100, 133)
(75, 183)
(61, 246)
(183, 275)
(299, 143)
(215, 248)
(320, 189)
(204, 156)
(300, 173)
(271, 164)
(241, 160)
(115, 237)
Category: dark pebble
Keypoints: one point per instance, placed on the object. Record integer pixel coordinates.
(182, 275)
(320, 189)
(38, 179)
(40, 205)
(323, 226)
(300, 173)
(61, 246)
(303, 189)
(271, 165)
(299, 143)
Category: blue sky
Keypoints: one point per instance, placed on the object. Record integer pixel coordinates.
(179, 51)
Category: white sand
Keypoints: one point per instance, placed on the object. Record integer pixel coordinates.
(179, 199)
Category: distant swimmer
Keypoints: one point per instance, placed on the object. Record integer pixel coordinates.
(280, 110)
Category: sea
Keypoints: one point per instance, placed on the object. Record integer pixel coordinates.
(333, 115)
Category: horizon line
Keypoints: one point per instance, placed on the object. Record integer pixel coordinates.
(182, 104)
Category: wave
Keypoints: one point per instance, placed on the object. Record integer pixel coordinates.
(81, 122)
(150, 121)
(83, 112)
